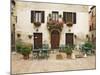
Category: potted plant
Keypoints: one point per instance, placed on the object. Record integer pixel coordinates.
(25, 51)
(87, 47)
(68, 51)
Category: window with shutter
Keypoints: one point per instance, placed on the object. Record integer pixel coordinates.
(55, 15)
(74, 18)
(69, 17)
(64, 17)
(37, 16)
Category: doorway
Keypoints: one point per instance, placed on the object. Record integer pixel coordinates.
(55, 39)
(37, 40)
(69, 39)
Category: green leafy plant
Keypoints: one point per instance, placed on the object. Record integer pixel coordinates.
(87, 46)
(68, 51)
(18, 46)
(24, 49)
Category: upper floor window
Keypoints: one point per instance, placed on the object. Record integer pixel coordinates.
(37, 16)
(69, 17)
(93, 10)
(55, 15)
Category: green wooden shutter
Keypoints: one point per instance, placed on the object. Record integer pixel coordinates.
(74, 18)
(32, 16)
(43, 17)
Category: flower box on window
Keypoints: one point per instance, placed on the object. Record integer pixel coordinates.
(69, 24)
(37, 24)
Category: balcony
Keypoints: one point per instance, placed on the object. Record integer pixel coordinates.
(52, 24)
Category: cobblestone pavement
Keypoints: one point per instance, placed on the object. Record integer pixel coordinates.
(19, 65)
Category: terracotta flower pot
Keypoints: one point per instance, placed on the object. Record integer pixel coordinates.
(25, 57)
(59, 56)
(69, 55)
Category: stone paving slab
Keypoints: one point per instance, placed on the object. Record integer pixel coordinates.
(19, 65)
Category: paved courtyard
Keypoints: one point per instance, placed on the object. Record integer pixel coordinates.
(19, 65)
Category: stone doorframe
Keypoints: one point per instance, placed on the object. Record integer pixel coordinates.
(55, 39)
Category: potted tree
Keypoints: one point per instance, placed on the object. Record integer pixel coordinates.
(25, 51)
(68, 51)
(87, 47)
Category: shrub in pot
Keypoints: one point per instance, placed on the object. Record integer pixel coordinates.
(87, 47)
(25, 51)
(68, 51)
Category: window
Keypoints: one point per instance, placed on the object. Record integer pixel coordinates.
(37, 16)
(69, 17)
(90, 28)
(55, 15)
(93, 10)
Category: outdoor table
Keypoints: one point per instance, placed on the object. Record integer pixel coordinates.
(35, 53)
(41, 53)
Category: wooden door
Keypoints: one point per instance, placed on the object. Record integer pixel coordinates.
(55, 38)
(69, 39)
(37, 40)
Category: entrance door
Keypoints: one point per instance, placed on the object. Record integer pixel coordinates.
(37, 40)
(55, 38)
(69, 39)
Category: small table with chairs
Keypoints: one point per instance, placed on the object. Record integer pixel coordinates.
(41, 52)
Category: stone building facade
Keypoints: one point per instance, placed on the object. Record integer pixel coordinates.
(92, 24)
(50, 23)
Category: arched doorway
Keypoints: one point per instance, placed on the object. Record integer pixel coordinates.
(55, 39)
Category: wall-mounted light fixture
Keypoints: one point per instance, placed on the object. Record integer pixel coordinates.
(37, 29)
(75, 36)
(69, 30)
(18, 35)
(29, 36)
(87, 36)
